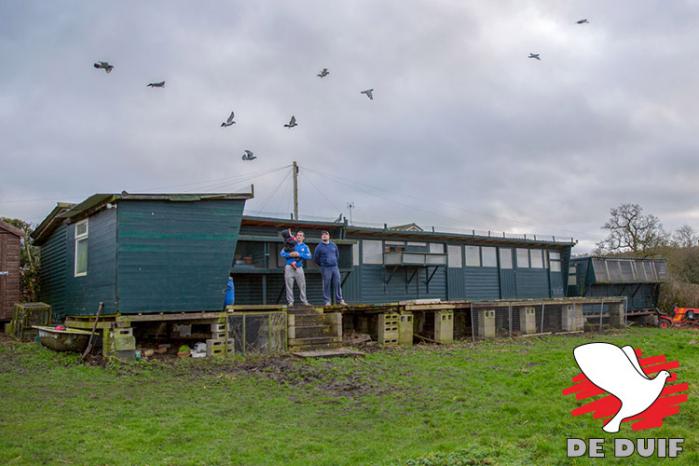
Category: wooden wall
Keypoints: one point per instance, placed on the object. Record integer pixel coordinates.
(10, 282)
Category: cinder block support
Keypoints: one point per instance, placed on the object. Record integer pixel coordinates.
(444, 326)
(572, 319)
(486, 323)
(527, 320)
(616, 315)
(388, 328)
(405, 329)
(336, 319)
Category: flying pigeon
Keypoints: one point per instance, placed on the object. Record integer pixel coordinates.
(103, 65)
(583, 21)
(160, 84)
(291, 123)
(535, 55)
(248, 155)
(229, 121)
(369, 93)
(323, 73)
(618, 372)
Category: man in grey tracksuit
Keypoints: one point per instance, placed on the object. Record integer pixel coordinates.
(292, 274)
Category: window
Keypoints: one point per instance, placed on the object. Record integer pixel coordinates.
(505, 258)
(554, 255)
(437, 248)
(522, 258)
(572, 274)
(555, 266)
(537, 259)
(473, 256)
(490, 256)
(81, 233)
(454, 255)
(355, 254)
(372, 251)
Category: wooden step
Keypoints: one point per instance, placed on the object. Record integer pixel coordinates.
(309, 331)
(329, 353)
(314, 340)
(315, 347)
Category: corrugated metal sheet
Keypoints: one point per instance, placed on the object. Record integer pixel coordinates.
(532, 283)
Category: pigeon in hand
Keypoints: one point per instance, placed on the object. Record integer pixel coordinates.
(583, 21)
(103, 65)
(160, 84)
(229, 121)
(535, 55)
(369, 93)
(291, 123)
(248, 155)
(323, 73)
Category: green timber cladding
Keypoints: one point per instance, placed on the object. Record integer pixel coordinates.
(456, 267)
(637, 279)
(144, 253)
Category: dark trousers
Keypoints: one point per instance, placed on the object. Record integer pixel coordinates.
(331, 277)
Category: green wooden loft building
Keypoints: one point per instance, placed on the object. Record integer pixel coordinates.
(139, 253)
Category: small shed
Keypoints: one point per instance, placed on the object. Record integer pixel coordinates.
(637, 279)
(10, 238)
(139, 253)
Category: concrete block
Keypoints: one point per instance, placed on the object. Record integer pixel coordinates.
(405, 329)
(444, 326)
(122, 339)
(616, 315)
(215, 347)
(486, 323)
(572, 318)
(527, 320)
(388, 324)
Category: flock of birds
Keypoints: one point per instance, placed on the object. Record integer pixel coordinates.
(248, 155)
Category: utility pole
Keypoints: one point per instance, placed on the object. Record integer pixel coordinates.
(350, 206)
(295, 173)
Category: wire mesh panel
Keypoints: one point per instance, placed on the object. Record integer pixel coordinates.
(259, 332)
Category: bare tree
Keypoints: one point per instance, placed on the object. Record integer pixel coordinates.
(632, 231)
(685, 237)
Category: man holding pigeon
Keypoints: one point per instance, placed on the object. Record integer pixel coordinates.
(327, 256)
(293, 270)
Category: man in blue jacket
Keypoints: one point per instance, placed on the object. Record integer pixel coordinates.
(299, 255)
(327, 256)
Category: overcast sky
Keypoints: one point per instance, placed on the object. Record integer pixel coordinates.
(465, 131)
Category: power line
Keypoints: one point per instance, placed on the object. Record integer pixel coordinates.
(268, 198)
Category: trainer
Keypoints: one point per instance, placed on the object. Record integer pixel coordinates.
(292, 274)
(327, 256)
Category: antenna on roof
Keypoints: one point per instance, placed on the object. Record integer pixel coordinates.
(350, 206)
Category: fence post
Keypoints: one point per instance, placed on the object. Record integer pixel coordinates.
(601, 311)
(473, 326)
(542, 317)
(509, 319)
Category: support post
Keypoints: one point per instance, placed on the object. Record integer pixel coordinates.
(295, 173)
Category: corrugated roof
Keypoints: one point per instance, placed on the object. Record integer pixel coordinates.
(404, 234)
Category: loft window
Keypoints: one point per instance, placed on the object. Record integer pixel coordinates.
(473, 256)
(454, 256)
(81, 233)
(372, 251)
(537, 259)
(522, 258)
(505, 258)
(490, 257)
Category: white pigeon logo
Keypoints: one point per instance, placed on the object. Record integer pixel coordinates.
(618, 372)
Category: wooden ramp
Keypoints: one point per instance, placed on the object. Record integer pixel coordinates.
(329, 353)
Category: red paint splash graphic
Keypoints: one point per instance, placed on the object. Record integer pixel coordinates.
(606, 407)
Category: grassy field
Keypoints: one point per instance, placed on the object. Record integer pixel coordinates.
(490, 403)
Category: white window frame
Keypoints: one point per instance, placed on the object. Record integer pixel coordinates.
(372, 252)
(492, 253)
(469, 258)
(79, 238)
(519, 253)
(455, 256)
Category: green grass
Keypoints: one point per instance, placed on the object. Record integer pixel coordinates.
(498, 403)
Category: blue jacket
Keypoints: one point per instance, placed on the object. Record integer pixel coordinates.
(304, 255)
(326, 255)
